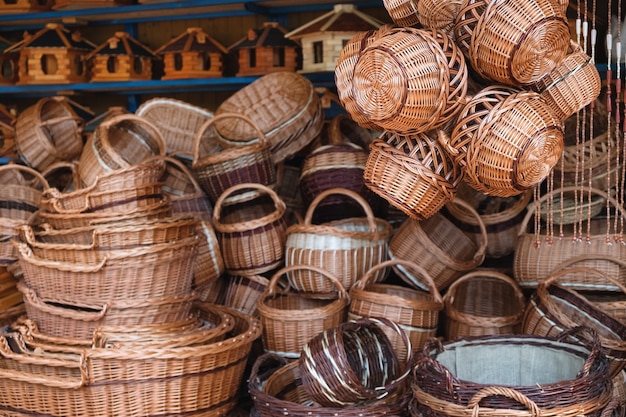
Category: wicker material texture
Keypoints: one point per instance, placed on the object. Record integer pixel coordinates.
(511, 42)
(413, 173)
(403, 12)
(483, 303)
(506, 141)
(284, 106)
(346, 248)
(438, 14)
(290, 319)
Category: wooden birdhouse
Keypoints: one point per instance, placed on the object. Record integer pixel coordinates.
(322, 39)
(24, 6)
(54, 55)
(266, 50)
(121, 58)
(192, 54)
(8, 63)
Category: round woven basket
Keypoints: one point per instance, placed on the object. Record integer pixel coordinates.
(47, 132)
(20, 197)
(483, 303)
(117, 143)
(284, 106)
(438, 14)
(227, 167)
(512, 42)
(251, 234)
(415, 311)
(506, 141)
(290, 319)
(403, 12)
(439, 247)
(411, 172)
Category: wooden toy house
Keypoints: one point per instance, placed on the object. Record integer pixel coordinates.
(8, 63)
(54, 55)
(323, 38)
(121, 58)
(266, 50)
(192, 54)
(24, 6)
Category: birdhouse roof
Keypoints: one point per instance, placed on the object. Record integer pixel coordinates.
(55, 35)
(343, 18)
(271, 34)
(193, 39)
(122, 44)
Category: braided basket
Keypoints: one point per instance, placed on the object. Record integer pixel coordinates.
(506, 141)
(412, 172)
(512, 42)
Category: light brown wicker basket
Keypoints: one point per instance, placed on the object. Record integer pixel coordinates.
(506, 140)
(403, 12)
(438, 14)
(483, 303)
(47, 132)
(21, 197)
(251, 234)
(512, 42)
(290, 319)
(284, 106)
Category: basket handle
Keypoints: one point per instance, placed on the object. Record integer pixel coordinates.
(71, 165)
(596, 256)
(27, 234)
(371, 220)
(27, 253)
(262, 139)
(560, 272)
(182, 168)
(269, 363)
(365, 279)
(480, 254)
(271, 291)
(589, 338)
(335, 136)
(531, 208)
(279, 204)
(473, 404)
(10, 166)
(42, 360)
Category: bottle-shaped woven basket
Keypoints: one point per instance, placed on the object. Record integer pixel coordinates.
(512, 42)
(506, 141)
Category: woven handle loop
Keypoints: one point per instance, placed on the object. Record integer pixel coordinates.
(271, 290)
(261, 139)
(563, 270)
(49, 360)
(480, 254)
(570, 188)
(33, 298)
(59, 165)
(428, 361)
(182, 168)
(27, 253)
(279, 205)
(590, 339)
(371, 273)
(453, 312)
(27, 234)
(371, 220)
(335, 135)
(36, 174)
(473, 404)
(62, 119)
(595, 256)
(264, 366)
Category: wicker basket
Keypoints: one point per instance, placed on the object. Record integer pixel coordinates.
(538, 252)
(511, 42)
(403, 12)
(501, 217)
(506, 141)
(413, 173)
(290, 319)
(242, 292)
(133, 382)
(47, 132)
(178, 122)
(552, 308)
(572, 84)
(346, 248)
(455, 376)
(438, 14)
(227, 167)
(20, 198)
(571, 207)
(149, 171)
(415, 311)
(439, 247)
(62, 175)
(284, 106)
(251, 234)
(483, 303)
(276, 388)
(117, 143)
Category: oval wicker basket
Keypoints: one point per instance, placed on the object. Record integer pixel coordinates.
(411, 172)
(117, 143)
(506, 141)
(290, 319)
(284, 106)
(47, 132)
(21, 197)
(483, 303)
(439, 247)
(415, 311)
(252, 234)
(226, 167)
(512, 42)
(346, 248)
